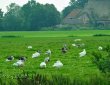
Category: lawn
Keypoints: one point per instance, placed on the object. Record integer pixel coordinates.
(74, 66)
(54, 33)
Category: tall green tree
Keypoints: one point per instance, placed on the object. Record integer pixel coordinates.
(1, 19)
(37, 15)
(52, 15)
(12, 19)
(27, 10)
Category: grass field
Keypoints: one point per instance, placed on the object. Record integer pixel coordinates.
(74, 66)
(55, 33)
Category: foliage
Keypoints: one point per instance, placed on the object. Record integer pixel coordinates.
(40, 15)
(103, 63)
(31, 16)
(73, 5)
(12, 19)
(39, 79)
(101, 35)
(1, 19)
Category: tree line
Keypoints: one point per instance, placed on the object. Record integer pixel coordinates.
(34, 16)
(31, 16)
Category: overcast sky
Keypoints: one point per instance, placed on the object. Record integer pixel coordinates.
(59, 4)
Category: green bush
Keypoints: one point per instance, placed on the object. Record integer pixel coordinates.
(103, 63)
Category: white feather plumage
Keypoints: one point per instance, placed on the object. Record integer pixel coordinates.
(83, 53)
(37, 54)
(42, 65)
(58, 64)
(19, 63)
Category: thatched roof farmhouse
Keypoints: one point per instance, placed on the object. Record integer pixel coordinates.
(94, 12)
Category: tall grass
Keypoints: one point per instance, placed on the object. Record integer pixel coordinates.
(102, 61)
(38, 79)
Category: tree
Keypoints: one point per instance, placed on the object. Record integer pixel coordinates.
(12, 19)
(1, 19)
(37, 15)
(28, 9)
(31, 16)
(73, 5)
(52, 15)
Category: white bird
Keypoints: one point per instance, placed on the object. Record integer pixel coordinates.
(10, 58)
(76, 40)
(48, 52)
(100, 48)
(42, 65)
(74, 45)
(58, 64)
(47, 59)
(29, 47)
(37, 54)
(78, 45)
(19, 63)
(83, 53)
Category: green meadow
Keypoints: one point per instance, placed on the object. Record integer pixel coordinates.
(54, 33)
(16, 43)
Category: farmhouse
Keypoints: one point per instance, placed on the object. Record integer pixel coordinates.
(94, 12)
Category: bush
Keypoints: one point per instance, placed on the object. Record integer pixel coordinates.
(103, 63)
(101, 35)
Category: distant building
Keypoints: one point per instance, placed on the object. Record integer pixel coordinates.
(95, 12)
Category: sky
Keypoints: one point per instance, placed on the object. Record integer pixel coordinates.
(59, 4)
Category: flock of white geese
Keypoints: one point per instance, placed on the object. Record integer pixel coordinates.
(57, 64)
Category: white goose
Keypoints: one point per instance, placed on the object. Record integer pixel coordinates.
(19, 63)
(29, 47)
(47, 59)
(77, 40)
(100, 48)
(37, 54)
(48, 52)
(58, 64)
(42, 65)
(83, 53)
(74, 45)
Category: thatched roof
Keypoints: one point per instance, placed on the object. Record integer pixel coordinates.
(99, 9)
